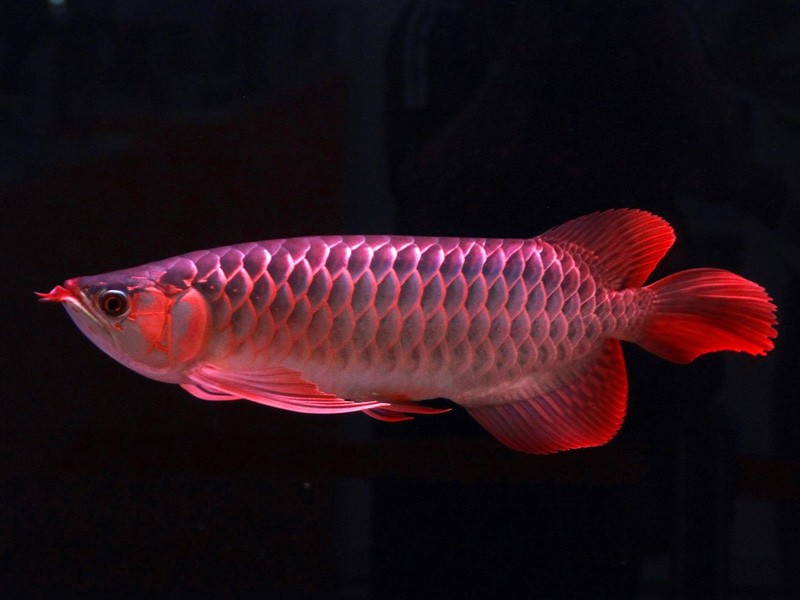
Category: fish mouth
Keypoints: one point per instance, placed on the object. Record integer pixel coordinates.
(61, 293)
(70, 294)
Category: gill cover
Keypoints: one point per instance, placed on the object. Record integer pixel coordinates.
(161, 323)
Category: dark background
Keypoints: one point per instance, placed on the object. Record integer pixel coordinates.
(134, 130)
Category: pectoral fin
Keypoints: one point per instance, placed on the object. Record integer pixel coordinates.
(287, 389)
(405, 411)
(273, 386)
(582, 409)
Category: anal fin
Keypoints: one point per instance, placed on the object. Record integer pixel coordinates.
(579, 409)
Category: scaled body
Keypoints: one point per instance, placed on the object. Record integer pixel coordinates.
(524, 333)
(382, 316)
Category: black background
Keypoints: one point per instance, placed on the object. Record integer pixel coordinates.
(130, 131)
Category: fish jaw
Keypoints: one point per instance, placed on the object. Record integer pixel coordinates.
(73, 299)
(156, 335)
(77, 306)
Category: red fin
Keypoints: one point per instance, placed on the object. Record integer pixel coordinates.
(707, 310)
(197, 391)
(625, 244)
(394, 413)
(386, 415)
(274, 386)
(585, 411)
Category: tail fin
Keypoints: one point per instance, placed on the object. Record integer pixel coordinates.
(707, 310)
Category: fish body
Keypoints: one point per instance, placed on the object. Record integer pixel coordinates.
(522, 333)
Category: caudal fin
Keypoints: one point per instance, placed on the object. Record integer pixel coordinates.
(708, 310)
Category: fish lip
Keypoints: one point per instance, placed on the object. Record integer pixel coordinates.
(61, 293)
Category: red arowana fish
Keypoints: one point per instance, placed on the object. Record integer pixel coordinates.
(525, 334)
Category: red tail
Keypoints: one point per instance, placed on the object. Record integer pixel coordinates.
(707, 310)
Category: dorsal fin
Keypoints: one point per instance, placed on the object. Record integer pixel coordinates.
(625, 244)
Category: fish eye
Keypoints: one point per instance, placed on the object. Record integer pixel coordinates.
(113, 303)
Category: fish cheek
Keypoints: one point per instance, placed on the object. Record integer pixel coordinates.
(189, 321)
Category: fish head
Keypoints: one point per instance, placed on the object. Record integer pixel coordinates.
(152, 327)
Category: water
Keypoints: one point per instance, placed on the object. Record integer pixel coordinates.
(132, 133)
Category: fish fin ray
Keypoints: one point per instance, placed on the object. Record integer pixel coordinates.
(273, 386)
(388, 416)
(200, 392)
(626, 244)
(406, 411)
(581, 410)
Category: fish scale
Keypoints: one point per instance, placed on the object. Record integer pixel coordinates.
(525, 334)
